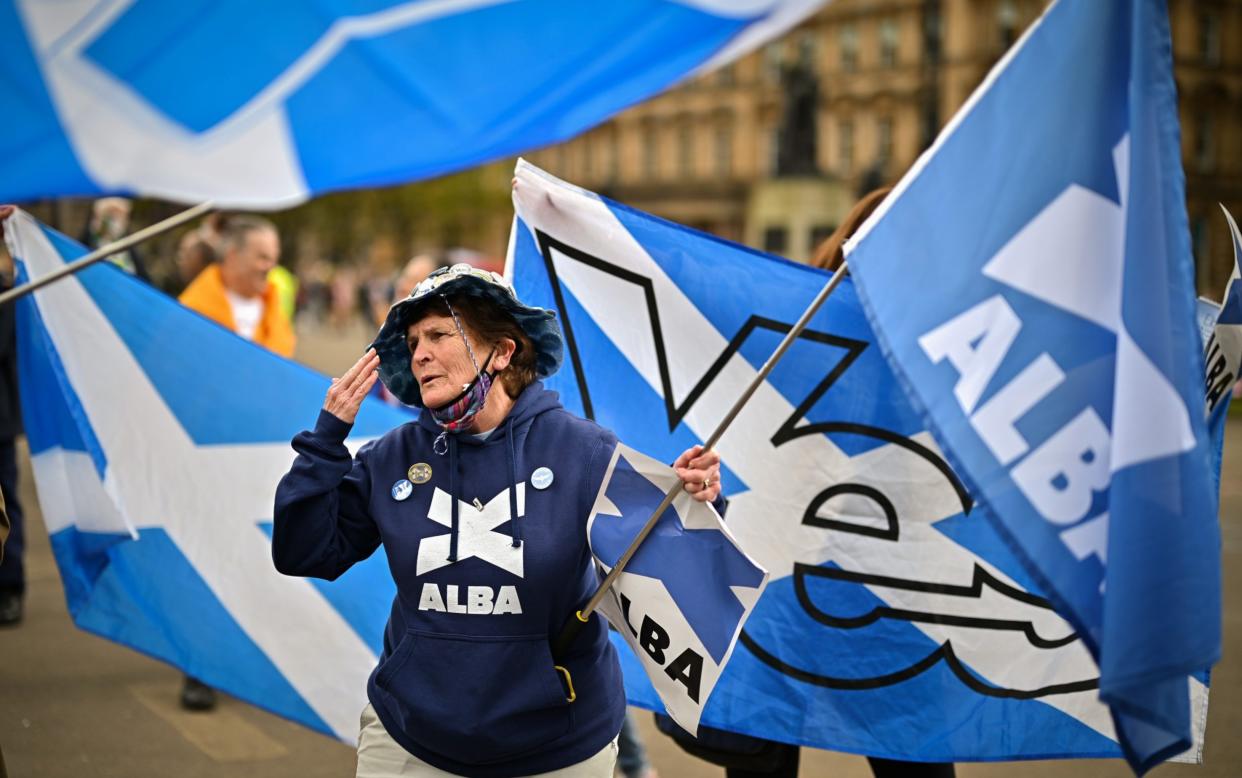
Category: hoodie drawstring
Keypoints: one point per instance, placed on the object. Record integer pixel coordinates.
(450, 442)
(516, 525)
(452, 452)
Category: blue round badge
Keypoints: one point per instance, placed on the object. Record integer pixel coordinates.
(541, 478)
(402, 489)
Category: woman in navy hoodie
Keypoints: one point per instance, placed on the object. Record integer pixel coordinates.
(481, 506)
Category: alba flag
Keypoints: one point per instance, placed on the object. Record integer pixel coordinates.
(157, 438)
(1030, 280)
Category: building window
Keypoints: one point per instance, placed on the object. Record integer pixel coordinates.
(685, 150)
(1007, 23)
(651, 152)
(773, 59)
(884, 141)
(727, 75)
(1205, 142)
(848, 41)
(845, 147)
(1209, 38)
(888, 43)
(723, 151)
(775, 240)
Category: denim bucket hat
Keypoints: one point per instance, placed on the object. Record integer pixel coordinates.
(461, 281)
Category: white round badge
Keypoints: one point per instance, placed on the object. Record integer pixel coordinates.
(402, 489)
(541, 478)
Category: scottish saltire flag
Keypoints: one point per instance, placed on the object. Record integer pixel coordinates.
(682, 599)
(897, 622)
(1031, 281)
(262, 105)
(157, 438)
(1223, 352)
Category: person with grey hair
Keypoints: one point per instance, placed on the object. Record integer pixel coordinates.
(236, 293)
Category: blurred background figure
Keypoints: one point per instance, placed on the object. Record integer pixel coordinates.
(343, 298)
(631, 755)
(315, 296)
(418, 268)
(109, 223)
(236, 292)
(286, 284)
(196, 251)
(12, 569)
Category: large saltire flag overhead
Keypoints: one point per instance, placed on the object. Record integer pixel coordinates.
(897, 622)
(263, 105)
(1031, 281)
(157, 438)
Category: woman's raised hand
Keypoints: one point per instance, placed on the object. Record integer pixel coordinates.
(346, 393)
(699, 471)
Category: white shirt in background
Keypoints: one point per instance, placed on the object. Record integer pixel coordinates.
(247, 313)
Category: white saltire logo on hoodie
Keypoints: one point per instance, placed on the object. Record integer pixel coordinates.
(475, 532)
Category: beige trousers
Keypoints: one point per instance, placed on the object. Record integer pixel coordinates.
(379, 756)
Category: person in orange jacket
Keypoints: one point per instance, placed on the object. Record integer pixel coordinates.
(236, 293)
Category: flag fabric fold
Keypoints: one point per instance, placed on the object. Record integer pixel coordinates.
(1030, 281)
(157, 438)
(265, 105)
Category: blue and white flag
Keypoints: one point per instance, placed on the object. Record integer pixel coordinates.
(262, 105)
(157, 438)
(897, 621)
(1030, 280)
(683, 597)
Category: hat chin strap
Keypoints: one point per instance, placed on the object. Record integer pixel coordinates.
(460, 412)
(466, 389)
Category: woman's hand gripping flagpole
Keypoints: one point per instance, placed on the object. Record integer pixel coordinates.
(573, 625)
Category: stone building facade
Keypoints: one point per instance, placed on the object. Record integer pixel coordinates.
(890, 74)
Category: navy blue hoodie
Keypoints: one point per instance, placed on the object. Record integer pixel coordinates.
(466, 680)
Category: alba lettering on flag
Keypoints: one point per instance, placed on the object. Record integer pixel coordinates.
(1053, 346)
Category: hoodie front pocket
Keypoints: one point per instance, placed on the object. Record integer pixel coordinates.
(476, 699)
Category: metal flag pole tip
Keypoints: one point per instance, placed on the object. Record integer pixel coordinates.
(575, 622)
(103, 252)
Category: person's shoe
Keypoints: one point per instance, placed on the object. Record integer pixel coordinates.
(10, 607)
(196, 695)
